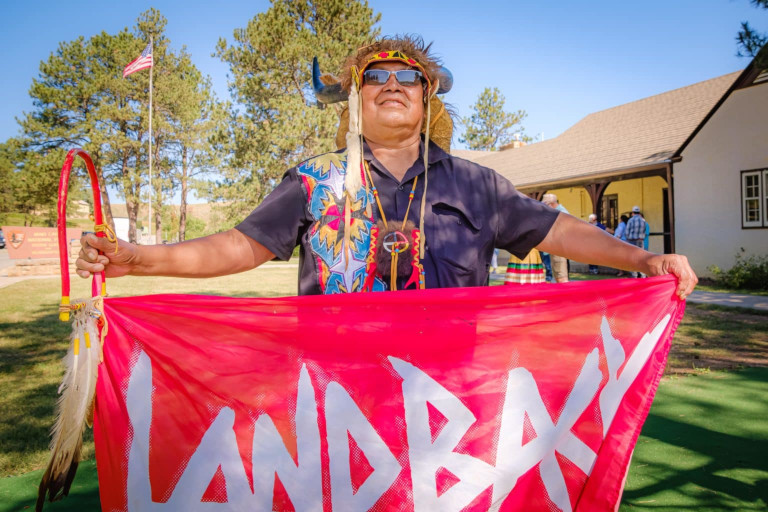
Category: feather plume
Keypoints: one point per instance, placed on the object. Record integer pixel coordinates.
(354, 179)
(75, 405)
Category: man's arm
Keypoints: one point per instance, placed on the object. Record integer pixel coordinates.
(580, 241)
(221, 254)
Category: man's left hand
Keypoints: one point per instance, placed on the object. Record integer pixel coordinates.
(677, 264)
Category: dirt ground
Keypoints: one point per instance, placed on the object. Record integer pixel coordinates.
(711, 338)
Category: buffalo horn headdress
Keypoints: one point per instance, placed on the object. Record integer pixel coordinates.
(437, 125)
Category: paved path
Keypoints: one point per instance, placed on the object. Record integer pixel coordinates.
(759, 302)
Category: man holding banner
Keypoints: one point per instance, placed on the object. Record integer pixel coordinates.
(362, 230)
(440, 400)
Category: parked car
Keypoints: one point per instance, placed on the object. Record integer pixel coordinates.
(2, 240)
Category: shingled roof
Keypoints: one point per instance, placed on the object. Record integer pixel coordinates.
(621, 139)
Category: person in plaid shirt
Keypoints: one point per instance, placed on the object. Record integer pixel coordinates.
(635, 232)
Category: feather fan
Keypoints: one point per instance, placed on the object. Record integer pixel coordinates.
(75, 404)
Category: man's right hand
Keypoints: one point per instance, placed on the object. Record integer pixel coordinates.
(114, 264)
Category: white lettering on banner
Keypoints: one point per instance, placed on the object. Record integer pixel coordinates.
(344, 418)
(426, 456)
(302, 479)
(302, 482)
(514, 458)
(617, 386)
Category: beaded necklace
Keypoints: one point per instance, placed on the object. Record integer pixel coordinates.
(395, 241)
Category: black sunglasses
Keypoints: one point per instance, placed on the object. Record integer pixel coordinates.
(406, 77)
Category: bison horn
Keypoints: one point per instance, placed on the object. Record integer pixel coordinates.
(446, 80)
(326, 93)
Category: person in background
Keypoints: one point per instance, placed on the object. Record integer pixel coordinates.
(495, 261)
(592, 219)
(621, 229)
(635, 232)
(620, 233)
(559, 263)
(529, 270)
(647, 238)
(547, 262)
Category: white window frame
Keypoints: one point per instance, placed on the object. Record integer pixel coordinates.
(762, 198)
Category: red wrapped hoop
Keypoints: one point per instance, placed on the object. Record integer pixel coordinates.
(61, 224)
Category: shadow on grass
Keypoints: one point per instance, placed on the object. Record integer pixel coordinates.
(30, 372)
(707, 452)
(43, 337)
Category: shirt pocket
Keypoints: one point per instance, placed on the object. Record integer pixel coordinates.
(455, 242)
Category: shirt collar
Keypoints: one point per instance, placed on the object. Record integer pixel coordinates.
(436, 153)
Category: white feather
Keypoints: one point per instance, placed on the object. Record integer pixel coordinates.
(74, 405)
(353, 180)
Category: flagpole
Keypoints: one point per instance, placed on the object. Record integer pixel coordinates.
(151, 72)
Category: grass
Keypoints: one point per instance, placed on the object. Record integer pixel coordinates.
(700, 447)
(33, 340)
(719, 338)
(20, 492)
(703, 446)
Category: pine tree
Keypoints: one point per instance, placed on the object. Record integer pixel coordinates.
(275, 125)
(64, 96)
(752, 43)
(81, 99)
(490, 127)
(197, 116)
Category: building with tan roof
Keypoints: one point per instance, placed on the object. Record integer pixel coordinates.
(687, 157)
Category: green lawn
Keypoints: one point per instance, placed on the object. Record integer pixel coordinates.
(704, 446)
(33, 340)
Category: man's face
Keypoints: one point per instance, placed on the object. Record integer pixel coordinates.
(392, 105)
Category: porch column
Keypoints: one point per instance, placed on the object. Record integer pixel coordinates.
(537, 195)
(595, 191)
(671, 207)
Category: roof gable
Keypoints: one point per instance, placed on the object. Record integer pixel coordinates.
(637, 134)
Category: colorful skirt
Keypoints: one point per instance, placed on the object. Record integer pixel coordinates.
(529, 270)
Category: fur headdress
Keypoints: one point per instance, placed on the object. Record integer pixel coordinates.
(330, 89)
(410, 50)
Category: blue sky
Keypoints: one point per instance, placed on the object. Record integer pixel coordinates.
(558, 60)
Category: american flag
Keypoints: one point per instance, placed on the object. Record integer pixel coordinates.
(143, 62)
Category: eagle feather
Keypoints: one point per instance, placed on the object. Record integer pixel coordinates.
(75, 404)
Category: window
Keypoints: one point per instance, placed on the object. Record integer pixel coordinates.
(609, 211)
(754, 198)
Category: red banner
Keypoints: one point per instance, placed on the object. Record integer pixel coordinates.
(529, 398)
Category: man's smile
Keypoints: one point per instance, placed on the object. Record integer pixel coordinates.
(388, 101)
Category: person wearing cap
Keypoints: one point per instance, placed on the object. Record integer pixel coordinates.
(635, 232)
(391, 209)
(559, 264)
